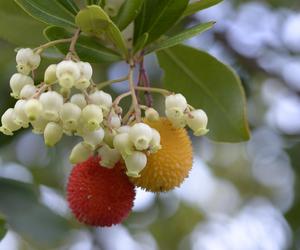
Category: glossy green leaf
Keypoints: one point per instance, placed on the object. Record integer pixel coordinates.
(128, 12)
(48, 12)
(200, 5)
(70, 5)
(210, 85)
(140, 43)
(13, 21)
(94, 21)
(3, 229)
(25, 215)
(88, 48)
(181, 37)
(157, 17)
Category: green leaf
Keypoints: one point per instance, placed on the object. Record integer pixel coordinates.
(48, 12)
(128, 12)
(3, 229)
(157, 17)
(91, 2)
(13, 21)
(70, 5)
(25, 215)
(179, 38)
(87, 48)
(210, 85)
(94, 21)
(200, 5)
(140, 44)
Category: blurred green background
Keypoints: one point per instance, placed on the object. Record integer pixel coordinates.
(238, 196)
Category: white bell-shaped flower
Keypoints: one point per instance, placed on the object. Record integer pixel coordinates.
(123, 129)
(115, 121)
(33, 109)
(108, 156)
(21, 117)
(27, 60)
(9, 124)
(176, 117)
(70, 114)
(197, 121)
(102, 99)
(39, 125)
(52, 103)
(94, 138)
(141, 135)
(79, 100)
(91, 117)
(86, 72)
(67, 73)
(151, 115)
(28, 91)
(52, 134)
(80, 153)
(123, 144)
(135, 163)
(176, 101)
(50, 74)
(109, 136)
(155, 142)
(17, 82)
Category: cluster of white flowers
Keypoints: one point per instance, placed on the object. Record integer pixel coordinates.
(181, 114)
(64, 104)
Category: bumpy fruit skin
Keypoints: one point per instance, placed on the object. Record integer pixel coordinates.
(99, 196)
(167, 168)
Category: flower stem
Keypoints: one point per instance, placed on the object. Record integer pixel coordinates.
(40, 49)
(135, 102)
(72, 49)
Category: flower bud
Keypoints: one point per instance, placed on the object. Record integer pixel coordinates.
(39, 125)
(155, 142)
(123, 129)
(17, 82)
(52, 134)
(67, 73)
(109, 136)
(28, 91)
(21, 117)
(27, 60)
(102, 99)
(91, 117)
(52, 102)
(141, 135)
(197, 121)
(50, 74)
(93, 139)
(70, 115)
(151, 114)
(176, 101)
(135, 163)
(123, 144)
(65, 92)
(80, 153)
(86, 70)
(115, 121)
(33, 109)
(109, 156)
(79, 100)
(8, 121)
(176, 117)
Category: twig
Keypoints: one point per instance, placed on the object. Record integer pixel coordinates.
(102, 85)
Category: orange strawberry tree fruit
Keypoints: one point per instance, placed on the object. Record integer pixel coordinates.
(146, 144)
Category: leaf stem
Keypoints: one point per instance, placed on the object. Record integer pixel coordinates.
(102, 85)
(154, 90)
(40, 49)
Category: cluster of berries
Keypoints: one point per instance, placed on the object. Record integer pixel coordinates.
(115, 154)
